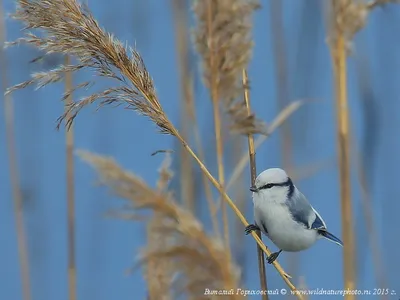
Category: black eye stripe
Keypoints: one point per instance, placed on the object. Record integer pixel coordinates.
(267, 186)
(270, 185)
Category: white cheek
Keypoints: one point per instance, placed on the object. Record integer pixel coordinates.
(275, 195)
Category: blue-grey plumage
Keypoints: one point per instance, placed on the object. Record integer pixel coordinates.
(284, 214)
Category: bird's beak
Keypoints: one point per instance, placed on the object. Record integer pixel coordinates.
(253, 189)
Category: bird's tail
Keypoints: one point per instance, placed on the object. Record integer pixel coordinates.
(329, 236)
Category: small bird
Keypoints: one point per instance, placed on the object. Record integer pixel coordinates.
(284, 214)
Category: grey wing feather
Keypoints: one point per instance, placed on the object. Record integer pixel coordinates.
(304, 213)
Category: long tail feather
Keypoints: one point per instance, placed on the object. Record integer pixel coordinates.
(329, 236)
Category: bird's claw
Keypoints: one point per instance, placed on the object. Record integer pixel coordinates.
(251, 228)
(273, 257)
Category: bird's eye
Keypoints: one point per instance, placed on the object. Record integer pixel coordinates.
(267, 186)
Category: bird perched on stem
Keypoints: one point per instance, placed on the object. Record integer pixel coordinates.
(284, 214)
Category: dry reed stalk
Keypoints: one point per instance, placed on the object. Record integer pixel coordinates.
(240, 194)
(23, 255)
(281, 75)
(199, 261)
(373, 237)
(69, 135)
(339, 58)
(280, 59)
(186, 168)
(303, 286)
(187, 85)
(366, 87)
(217, 118)
(306, 171)
(186, 78)
(71, 29)
(253, 175)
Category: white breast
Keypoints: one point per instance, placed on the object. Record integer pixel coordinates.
(283, 231)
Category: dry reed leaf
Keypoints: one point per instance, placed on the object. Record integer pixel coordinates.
(68, 27)
(223, 39)
(285, 114)
(180, 256)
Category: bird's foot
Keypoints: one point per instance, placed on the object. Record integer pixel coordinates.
(273, 257)
(251, 228)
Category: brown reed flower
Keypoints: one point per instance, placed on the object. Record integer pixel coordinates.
(178, 243)
(223, 39)
(69, 28)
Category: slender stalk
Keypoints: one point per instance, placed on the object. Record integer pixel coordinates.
(339, 57)
(70, 194)
(181, 23)
(365, 87)
(281, 75)
(217, 127)
(280, 58)
(221, 173)
(253, 174)
(240, 193)
(373, 237)
(186, 174)
(206, 183)
(13, 169)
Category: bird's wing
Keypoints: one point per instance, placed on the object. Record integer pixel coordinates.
(304, 213)
(301, 210)
(318, 222)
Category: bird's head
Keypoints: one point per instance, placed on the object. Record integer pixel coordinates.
(273, 184)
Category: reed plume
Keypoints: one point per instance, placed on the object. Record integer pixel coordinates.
(223, 39)
(72, 30)
(184, 250)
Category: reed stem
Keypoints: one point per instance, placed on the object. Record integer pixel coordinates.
(217, 127)
(339, 57)
(23, 255)
(69, 139)
(253, 175)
